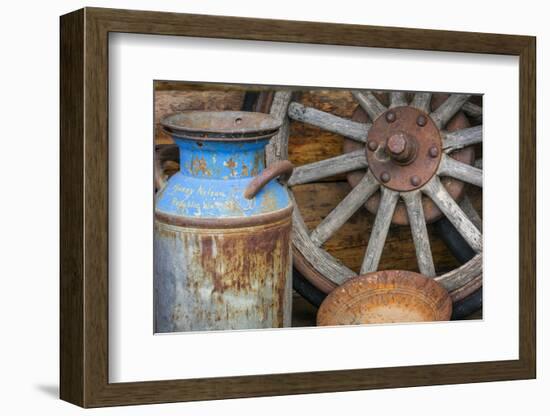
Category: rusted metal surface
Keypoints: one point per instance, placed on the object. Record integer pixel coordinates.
(218, 125)
(454, 187)
(222, 253)
(281, 168)
(403, 150)
(386, 297)
(221, 279)
(226, 222)
(166, 163)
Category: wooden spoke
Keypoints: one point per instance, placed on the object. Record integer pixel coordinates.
(369, 103)
(439, 195)
(379, 230)
(277, 148)
(397, 99)
(415, 211)
(329, 167)
(459, 139)
(472, 110)
(319, 259)
(421, 101)
(448, 109)
(345, 209)
(470, 211)
(462, 171)
(329, 122)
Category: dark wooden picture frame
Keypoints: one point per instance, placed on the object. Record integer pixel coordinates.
(84, 207)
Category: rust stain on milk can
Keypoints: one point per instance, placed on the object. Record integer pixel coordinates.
(231, 278)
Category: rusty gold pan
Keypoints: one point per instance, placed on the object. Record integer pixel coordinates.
(386, 297)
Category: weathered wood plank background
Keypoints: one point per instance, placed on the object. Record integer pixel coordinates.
(309, 144)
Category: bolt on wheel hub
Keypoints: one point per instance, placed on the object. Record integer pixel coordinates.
(403, 149)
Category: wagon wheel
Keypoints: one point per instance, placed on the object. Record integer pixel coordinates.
(409, 155)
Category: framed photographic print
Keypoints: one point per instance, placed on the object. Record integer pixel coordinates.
(260, 207)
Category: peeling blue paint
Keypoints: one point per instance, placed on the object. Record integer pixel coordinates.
(213, 177)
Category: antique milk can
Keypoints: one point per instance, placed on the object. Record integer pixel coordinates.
(222, 227)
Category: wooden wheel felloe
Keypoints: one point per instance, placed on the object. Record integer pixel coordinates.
(408, 155)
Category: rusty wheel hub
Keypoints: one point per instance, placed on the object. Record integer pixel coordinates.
(404, 149)
(453, 186)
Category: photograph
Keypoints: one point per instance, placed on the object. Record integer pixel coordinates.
(284, 206)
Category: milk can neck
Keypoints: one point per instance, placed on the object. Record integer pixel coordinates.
(225, 160)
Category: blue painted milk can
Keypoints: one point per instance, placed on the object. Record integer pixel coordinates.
(222, 245)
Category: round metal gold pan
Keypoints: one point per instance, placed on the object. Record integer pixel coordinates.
(389, 296)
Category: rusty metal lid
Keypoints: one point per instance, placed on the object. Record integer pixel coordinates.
(221, 125)
(388, 296)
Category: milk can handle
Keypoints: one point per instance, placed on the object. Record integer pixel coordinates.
(282, 168)
(164, 153)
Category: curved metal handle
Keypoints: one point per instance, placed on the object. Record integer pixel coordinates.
(282, 168)
(163, 154)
